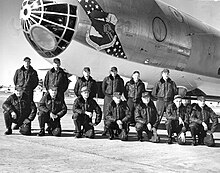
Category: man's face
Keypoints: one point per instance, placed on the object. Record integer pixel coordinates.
(165, 75)
(178, 102)
(113, 73)
(85, 94)
(117, 100)
(145, 100)
(27, 63)
(56, 64)
(136, 77)
(188, 109)
(18, 93)
(201, 103)
(53, 93)
(86, 74)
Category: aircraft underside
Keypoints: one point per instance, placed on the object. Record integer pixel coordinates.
(132, 35)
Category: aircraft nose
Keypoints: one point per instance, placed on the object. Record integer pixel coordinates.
(49, 25)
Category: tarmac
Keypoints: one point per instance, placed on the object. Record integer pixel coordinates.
(33, 154)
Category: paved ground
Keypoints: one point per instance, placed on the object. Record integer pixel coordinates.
(66, 154)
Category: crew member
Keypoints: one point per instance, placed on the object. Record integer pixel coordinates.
(175, 115)
(83, 108)
(51, 109)
(133, 90)
(117, 116)
(27, 78)
(145, 116)
(164, 91)
(19, 109)
(56, 77)
(200, 121)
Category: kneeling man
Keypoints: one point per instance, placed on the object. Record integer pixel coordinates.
(19, 109)
(200, 121)
(176, 120)
(51, 109)
(145, 116)
(83, 108)
(117, 116)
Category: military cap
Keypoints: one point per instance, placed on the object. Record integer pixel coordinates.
(117, 94)
(201, 98)
(165, 70)
(86, 69)
(27, 58)
(145, 94)
(114, 69)
(84, 89)
(56, 60)
(177, 97)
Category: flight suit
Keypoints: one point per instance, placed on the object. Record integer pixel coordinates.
(24, 108)
(80, 106)
(117, 112)
(49, 105)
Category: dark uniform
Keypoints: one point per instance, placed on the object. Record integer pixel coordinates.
(27, 79)
(145, 114)
(48, 105)
(25, 110)
(117, 112)
(133, 93)
(172, 124)
(202, 115)
(90, 83)
(164, 92)
(80, 106)
(57, 78)
(110, 85)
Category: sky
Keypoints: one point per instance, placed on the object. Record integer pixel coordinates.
(14, 47)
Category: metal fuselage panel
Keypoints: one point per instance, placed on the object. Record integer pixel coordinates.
(151, 33)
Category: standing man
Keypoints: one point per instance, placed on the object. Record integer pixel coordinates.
(19, 109)
(164, 91)
(27, 78)
(145, 116)
(117, 116)
(133, 90)
(87, 81)
(112, 83)
(56, 77)
(200, 121)
(51, 109)
(83, 108)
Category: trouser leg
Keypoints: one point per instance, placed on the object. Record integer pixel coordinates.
(43, 118)
(194, 132)
(8, 120)
(139, 129)
(78, 120)
(107, 100)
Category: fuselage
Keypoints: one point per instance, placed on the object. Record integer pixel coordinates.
(144, 35)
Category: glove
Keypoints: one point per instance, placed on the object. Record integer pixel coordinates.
(149, 127)
(26, 121)
(89, 114)
(53, 116)
(13, 115)
(181, 121)
(119, 122)
(204, 126)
